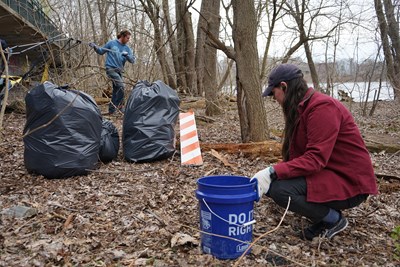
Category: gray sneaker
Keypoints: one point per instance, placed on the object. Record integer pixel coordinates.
(336, 228)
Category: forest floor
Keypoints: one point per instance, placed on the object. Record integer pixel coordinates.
(127, 214)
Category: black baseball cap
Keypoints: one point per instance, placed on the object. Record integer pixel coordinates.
(282, 73)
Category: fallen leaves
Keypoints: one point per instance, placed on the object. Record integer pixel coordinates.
(181, 239)
(126, 214)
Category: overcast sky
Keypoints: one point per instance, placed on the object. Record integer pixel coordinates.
(357, 42)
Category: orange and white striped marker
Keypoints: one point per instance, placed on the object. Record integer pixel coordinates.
(190, 146)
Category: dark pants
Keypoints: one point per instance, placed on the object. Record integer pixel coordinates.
(118, 89)
(296, 189)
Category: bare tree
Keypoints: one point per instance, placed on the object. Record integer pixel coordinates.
(206, 56)
(179, 69)
(253, 123)
(152, 9)
(389, 30)
(273, 17)
(103, 7)
(298, 11)
(116, 22)
(306, 15)
(186, 47)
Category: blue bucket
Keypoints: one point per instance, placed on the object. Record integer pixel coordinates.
(226, 209)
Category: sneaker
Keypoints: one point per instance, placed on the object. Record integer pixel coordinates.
(336, 228)
(313, 231)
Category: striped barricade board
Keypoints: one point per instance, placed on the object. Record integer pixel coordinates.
(190, 146)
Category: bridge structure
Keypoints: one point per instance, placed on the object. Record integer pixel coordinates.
(31, 35)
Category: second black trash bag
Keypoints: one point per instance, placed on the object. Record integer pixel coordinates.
(151, 113)
(109, 143)
(62, 132)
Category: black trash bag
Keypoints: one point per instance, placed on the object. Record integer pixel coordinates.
(63, 129)
(109, 143)
(150, 116)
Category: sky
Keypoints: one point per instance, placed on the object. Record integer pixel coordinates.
(355, 42)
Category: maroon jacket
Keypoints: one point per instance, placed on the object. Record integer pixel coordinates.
(327, 148)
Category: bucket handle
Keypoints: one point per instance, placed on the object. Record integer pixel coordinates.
(219, 217)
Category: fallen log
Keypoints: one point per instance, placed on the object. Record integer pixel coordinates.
(102, 100)
(378, 147)
(271, 150)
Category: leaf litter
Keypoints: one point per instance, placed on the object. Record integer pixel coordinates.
(127, 214)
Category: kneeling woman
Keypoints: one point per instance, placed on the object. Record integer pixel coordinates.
(326, 167)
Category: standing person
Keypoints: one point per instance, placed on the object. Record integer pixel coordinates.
(118, 53)
(326, 166)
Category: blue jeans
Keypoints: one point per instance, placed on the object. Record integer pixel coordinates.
(118, 89)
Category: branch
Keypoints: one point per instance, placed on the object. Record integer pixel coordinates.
(217, 44)
(6, 81)
(265, 234)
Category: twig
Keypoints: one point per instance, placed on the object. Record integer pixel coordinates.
(172, 157)
(68, 221)
(16, 231)
(70, 209)
(138, 218)
(210, 172)
(386, 176)
(394, 154)
(217, 235)
(241, 241)
(371, 141)
(3, 107)
(156, 216)
(118, 195)
(366, 215)
(251, 243)
(59, 216)
(267, 233)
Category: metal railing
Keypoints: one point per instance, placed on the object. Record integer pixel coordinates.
(32, 11)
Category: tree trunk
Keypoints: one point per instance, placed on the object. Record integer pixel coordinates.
(103, 6)
(186, 44)
(391, 48)
(311, 66)
(299, 17)
(276, 9)
(153, 11)
(179, 70)
(94, 30)
(253, 122)
(207, 62)
(116, 24)
(201, 44)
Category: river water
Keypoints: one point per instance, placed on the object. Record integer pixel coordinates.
(358, 90)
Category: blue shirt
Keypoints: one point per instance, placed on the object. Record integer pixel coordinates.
(115, 59)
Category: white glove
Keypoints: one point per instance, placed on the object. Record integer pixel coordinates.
(263, 180)
(124, 54)
(92, 45)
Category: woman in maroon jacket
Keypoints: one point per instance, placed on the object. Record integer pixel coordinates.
(326, 167)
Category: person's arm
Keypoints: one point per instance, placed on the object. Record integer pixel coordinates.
(102, 50)
(130, 57)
